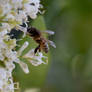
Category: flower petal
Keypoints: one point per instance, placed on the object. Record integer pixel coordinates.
(24, 67)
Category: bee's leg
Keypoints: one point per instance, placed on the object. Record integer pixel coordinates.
(36, 49)
(39, 49)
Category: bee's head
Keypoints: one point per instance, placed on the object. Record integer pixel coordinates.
(33, 31)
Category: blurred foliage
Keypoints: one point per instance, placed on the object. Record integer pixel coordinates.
(71, 66)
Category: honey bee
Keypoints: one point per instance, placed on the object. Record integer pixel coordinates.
(40, 39)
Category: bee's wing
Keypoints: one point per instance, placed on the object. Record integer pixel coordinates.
(49, 32)
(52, 43)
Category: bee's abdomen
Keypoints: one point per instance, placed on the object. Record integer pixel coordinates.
(38, 41)
(45, 48)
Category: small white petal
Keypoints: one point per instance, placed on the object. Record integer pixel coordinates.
(35, 59)
(24, 46)
(24, 67)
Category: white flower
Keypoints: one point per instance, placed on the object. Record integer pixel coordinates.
(36, 59)
(16, 3)
(9, 65)
(5, 7)
(21, 16)
(24, 67)
(5, 26)
(22, 64)
(24, 46)
(6, 81)
(12, 14)
(1, 56)
(32, 8)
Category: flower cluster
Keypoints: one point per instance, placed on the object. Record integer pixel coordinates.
(6, 82)
(12, 14)
(15, 12)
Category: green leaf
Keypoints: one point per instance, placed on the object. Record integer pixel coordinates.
(39, 23)
(0, 24)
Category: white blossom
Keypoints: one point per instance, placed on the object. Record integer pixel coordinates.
(6, 82)
(12, 14)
(36, 59)
(24, 67)
(15, 12)
(24, 46)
